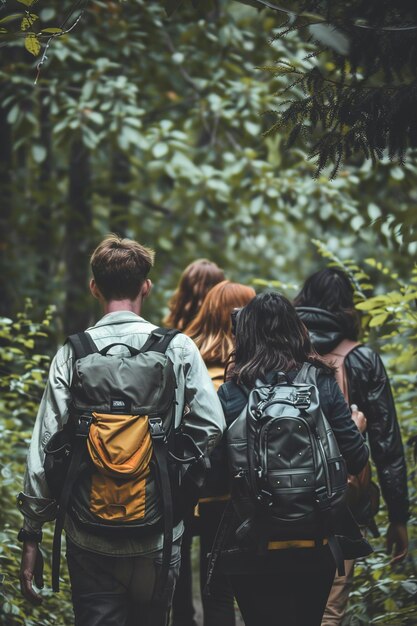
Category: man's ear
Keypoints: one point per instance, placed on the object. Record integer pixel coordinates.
(146, 288)
(94, 289)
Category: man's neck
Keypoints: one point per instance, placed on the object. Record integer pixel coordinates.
(112, 306)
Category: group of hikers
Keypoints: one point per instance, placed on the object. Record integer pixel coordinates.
(247, 419)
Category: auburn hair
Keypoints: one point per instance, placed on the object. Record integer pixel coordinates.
(196, 280)
(120, 267)
(212, 328)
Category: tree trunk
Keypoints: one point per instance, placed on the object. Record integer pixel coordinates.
(78, 304)
(6, 251)
(120, 198)
(44, 244)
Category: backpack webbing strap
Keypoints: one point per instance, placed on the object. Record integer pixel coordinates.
(72, 475)
(159, 340)
(82, 344)
(323, 504)
(337, 554)
(160, 448)
(218, 543)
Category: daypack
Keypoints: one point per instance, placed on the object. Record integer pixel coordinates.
(363, 496)
(114, 468)
(288, 477)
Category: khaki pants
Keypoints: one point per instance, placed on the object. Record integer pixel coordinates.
(338, 597)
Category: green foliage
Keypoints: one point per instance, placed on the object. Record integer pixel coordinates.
(159, 121)
(30, 31)
(23, 369)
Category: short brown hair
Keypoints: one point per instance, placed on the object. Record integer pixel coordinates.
(120, 267)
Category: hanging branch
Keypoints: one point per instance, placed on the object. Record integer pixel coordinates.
(365, 104)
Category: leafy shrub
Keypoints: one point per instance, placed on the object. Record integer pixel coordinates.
(23, 369)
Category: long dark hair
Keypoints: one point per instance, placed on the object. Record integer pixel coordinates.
(331, 289)
(269, 337)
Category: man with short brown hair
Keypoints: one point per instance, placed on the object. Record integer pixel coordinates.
(113, 580)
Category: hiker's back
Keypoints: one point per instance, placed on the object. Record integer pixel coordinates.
(288, 477)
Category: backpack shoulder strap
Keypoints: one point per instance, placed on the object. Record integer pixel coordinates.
(82, 344)
(307, 374)
(344, 348)
(336, 358)
(159, 340)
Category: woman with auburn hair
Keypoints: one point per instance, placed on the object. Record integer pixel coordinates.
(211, 330)
(196, 280)
(213, 334)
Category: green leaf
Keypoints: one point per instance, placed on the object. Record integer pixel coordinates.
(159, 150)
(95, 117)
(330, 37)
(38, 153)
(378, 320)
(11, 18)
(27, 3)
(32, 44)
(52, 31)
(28, 21)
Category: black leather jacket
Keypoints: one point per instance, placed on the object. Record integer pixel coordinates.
(371, 391)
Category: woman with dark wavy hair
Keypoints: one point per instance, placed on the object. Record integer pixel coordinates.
(287, 585)
(326, 306)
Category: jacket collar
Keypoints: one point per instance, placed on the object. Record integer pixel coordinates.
(119, 317)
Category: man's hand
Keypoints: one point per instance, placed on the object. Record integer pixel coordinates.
(397, 542)
(359, 418)
(31, 570)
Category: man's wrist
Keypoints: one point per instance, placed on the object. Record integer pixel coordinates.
(29, 535)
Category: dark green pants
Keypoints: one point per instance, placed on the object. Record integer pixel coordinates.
(118, 591)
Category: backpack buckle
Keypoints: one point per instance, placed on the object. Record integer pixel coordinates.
(157, 429)
(302, 399)
(322, 499)
(83, 426)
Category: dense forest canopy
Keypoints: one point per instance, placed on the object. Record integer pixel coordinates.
(152, 126)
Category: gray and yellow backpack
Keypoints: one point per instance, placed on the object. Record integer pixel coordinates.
(115, 466)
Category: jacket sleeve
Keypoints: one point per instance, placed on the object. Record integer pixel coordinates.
(348, 437)
(204, 420)
(384, 435)
(35, 502)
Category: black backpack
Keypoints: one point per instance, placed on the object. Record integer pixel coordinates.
(289, 480)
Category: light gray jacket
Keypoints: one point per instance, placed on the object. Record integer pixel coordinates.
(204, 421)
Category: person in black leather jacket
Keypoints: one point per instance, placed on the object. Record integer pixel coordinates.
(325, 305)
(290, 583)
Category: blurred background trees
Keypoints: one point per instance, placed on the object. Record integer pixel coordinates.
(152, 127)
(155, 126)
